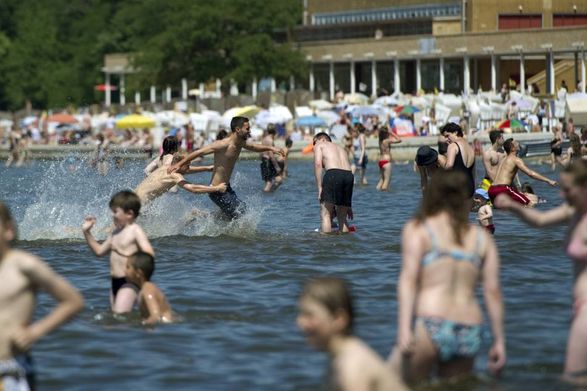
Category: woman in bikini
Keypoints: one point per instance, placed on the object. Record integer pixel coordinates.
(443, 257)
(573, 212)
(386, 138)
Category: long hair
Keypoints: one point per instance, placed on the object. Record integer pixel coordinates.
(334, 294)
(383, 134)
(575, 144)
(448, 192)
(170, 146)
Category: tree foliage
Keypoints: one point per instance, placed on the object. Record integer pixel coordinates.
(51, 53)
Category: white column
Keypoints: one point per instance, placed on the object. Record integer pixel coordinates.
(466, 76)
(254, 88)
(331, 80)
(396, 82)
(522, 75)
(107, 92)
(218, 88)
(353, 80)
(184, 89)
(374, 78)
(137, 98)
(550, 69)
(292, 83)
(273, 85)
(441, 76)
(418, 74)
(493, 73)
(168, 94)
(582, 60)
(312, 84)
(153, 94)
(202, 91)
(122, 90)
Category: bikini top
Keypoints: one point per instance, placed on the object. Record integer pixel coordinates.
(436, 253)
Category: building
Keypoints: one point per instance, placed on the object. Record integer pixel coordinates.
(373, 46)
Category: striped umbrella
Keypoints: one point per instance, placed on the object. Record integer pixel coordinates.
(511, 123)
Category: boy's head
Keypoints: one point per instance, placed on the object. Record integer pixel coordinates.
(8, 231)
(128, 203)
(288, 142)
(481, 196)
(321, 137)
(140, 266)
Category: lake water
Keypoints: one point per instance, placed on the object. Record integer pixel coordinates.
(236, 285)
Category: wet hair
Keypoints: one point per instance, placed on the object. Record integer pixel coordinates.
(144, 262)
(126, 200)
(526, 188)
(321, 135)
(448, 193)
(578, 170)
(508, 144)
(451, 127)
(237, 122)
(222, 134)
(334, 294)
(288, 142)
(170, 146)
(383, 134)
(6, 219)
(494, 135)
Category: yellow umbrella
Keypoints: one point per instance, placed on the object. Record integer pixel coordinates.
(135, 121)
(247, 111)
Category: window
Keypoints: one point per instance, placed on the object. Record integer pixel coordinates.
(562, 20)
(515, 22)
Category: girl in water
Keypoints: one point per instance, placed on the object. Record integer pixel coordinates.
(169, 150)
(573, 183)
(443, 257)
(326, 318)
(386, 138)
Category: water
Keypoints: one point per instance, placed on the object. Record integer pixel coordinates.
(236, 285)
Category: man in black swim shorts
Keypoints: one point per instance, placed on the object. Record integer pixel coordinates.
(335, 189)
(269, 166)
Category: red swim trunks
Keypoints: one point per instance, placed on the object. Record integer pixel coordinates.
(512, 192)
(383, 163)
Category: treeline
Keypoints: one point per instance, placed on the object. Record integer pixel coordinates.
(52, 51)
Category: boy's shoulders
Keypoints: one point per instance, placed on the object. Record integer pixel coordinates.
(21, 259)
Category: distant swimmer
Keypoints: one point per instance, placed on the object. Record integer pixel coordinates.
(152, 301)
(335, 189)
(270, 169)
(226, 153)
(126, 239)
(326, 317)
(460, 156)
(492, 156)
(283, 160)
(23, 276)
(426, 164)
(386, 138)
(506, 172)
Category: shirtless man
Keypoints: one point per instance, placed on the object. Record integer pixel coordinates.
(492, 157)
(226, 152)
(270, 169)
(506, 172)
(335, 189)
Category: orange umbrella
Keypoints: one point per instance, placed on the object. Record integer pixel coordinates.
(308, 148)
(62, 118)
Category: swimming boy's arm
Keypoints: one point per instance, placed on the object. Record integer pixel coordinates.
(533, 174)
(494, 303)
(70, 301)
(559, 215)
(151, 167)
(205, 150)
(197, 169)
(318, 168)
(199, 189)
(148, 297)
(99, 249)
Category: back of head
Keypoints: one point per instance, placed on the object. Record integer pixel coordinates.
(426, 156)
(383, 134)
(144, 262)
(321, 135)
(451, 127)
(334, 294)
(288, 142)
(526, 188)
(578, 170)
(170, 145)
(222, 134)
(271, 130)
(237, 122)
(494, 135)
(126, 200)
(508, 145)
(448, 193)
(6, 219)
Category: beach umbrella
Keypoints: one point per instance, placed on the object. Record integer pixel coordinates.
(135, 121)
(511, 124)
(62, 118)
(302, 111)
(406, 110)
(245, 111)
(310, 120)
(386, 101)
(356, 99)
(266, 117)
(328, 116)
(320, 104)
(365, 110)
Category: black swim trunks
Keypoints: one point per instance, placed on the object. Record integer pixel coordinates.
(337, 187)
(229, 203)
(268, 171)
(557, 151)
(119, 282)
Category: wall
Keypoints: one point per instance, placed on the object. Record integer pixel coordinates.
(315, 6)
(446, 26)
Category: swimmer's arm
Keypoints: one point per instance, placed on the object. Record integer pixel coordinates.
(559, 215)
(152, 305)
(205, 150)
(451, 154)
(318, 168)
(199, 189)
(151, 167)
(493, 301)
(197, 169)
(70, 301)
(533, 174)
(142, 241)
(395, 139)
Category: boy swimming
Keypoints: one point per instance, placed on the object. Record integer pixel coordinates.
(126, 239)
(152, 302)
(23, 275)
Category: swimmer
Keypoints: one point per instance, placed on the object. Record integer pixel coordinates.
(386, 138)
(506, 172)
(326, 317)
(169, 148)
(152, 301)
(573, 212)
(528, 191)
(485, 212)
(126, 239)
(23, 275)
(270, 169)
(443, 258)
(427, 165)
(492, 156)
(226, 153)
(335, 189)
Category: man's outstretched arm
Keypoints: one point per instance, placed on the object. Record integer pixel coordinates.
(206, 150)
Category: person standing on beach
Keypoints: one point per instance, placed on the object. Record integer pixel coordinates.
(335, 189)
(506, 172)
(226, 153)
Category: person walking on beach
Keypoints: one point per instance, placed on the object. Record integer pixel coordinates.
(335, 189)
(226, 153)
(443, 258)
(574, 213)
(506, 172)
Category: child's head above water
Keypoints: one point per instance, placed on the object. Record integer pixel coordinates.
(170, 146)
(127, 201)
(7, 225)
(139, 265)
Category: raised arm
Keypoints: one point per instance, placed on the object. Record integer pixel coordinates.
(559, 215)
(493, 301)
(533, 174)
(451, 154)
(99, 249)
(205, 150)
(395, 139)
(69, 301)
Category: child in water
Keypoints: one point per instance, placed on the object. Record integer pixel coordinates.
(23, 275)
(153, 303)
(485, 212)
(326, 318)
